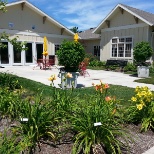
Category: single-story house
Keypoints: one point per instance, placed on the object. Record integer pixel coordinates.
(90, 41)
(30, 24)
(121, 29)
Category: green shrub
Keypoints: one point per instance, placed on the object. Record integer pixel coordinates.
(70, 55)
(130, 67)
(142, 52)
(96, 63)
(10, 81)
(91, 57)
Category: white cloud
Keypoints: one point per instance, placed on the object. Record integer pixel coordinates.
(90, 13)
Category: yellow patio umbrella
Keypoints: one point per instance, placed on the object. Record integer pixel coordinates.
(76, 37)
(45, 44)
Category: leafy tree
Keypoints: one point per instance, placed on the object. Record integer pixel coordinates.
(74, 29)
(2, 5)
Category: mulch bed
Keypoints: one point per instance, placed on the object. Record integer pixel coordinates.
(142, 141)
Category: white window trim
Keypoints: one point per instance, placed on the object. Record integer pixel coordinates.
(54, 47)
(128, 58)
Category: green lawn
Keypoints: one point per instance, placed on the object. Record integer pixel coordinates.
(120, 92)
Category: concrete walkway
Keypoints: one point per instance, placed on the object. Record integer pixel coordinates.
(115, 78)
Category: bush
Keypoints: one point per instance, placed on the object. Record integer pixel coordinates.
(130, 67)
(10, 81)
(70, 55)
(90, 56)
(142, 52)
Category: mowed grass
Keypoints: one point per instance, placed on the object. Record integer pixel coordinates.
(149, 80)
(120, 92)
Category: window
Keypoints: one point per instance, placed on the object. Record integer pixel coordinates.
(97, 51)
(121, 47)
(57, 46)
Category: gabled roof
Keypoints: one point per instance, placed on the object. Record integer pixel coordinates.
(147, 17)
(37, 10)
(87, 34)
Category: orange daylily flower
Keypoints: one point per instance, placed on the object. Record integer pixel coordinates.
(106, 86)
(98, 87)
(107, 98)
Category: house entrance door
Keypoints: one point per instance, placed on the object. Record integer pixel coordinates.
(39, 51)
(29, 54)
(4, 54)
(16, 56)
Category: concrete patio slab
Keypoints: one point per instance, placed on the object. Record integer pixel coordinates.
(115, 78)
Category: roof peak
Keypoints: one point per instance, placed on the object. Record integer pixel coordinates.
(131, 7)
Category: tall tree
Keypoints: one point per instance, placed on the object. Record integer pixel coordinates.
(74, 29)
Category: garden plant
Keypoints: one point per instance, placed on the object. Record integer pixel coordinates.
(141, 108)
(70, 55)
(91, 120)
(142, 52)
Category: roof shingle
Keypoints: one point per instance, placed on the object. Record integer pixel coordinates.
(87, 34)
(149, 17)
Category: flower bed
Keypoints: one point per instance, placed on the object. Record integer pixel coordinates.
(99, 122)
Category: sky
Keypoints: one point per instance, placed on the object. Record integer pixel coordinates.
(85, 14)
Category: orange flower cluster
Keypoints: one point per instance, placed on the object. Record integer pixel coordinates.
(100, 87)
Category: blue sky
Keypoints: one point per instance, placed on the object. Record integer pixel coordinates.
(85, 14)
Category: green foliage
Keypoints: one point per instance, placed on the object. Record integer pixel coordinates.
(90, 56)
(13, 143)
(10, 103)
(18, 45)
(102, 109)
(96, 63)
(142, 108)
(9, 81)
(70, 55)
(130, 67)
(74, 29)
(3, 5)
(142, 52)
(74, 111)
(41, 120)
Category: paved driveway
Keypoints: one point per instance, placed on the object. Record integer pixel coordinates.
(116, 78)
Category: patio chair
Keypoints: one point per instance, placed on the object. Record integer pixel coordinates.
(38, 63)
(83, 69)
